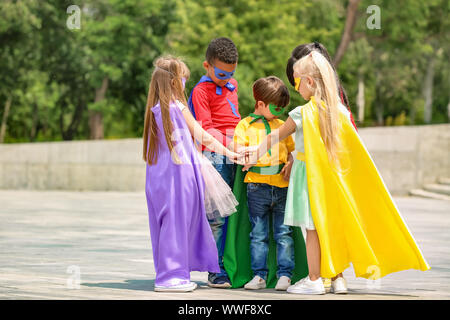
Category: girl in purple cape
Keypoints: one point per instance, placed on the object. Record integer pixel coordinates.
(181, 237)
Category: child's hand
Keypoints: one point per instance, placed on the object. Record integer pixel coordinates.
(247, 151)
(286, 171)
(236, 157)
(250, 157)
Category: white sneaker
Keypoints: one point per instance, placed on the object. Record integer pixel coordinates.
(306, 286)
(178, 288)
(283, 283)
(339, 286)
(256, 283)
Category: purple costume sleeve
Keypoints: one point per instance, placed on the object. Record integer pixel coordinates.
(181, 237)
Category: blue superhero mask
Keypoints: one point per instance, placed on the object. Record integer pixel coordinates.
(222, 74)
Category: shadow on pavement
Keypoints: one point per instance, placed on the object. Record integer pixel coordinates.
(143, 285)
(149, 285)
(379, 294)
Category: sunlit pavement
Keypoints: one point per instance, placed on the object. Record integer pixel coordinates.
(96, 245)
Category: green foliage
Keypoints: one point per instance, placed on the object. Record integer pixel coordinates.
(394, 59)
(52, 73)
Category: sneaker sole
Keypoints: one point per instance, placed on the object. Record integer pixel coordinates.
(219, 286)
(281, 289)
(306, 293)
(181, 290)
(339, 292)
(254, 288)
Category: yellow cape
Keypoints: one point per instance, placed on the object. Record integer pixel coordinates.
(355, 217)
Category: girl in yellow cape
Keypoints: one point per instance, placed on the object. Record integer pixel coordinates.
(335, 190)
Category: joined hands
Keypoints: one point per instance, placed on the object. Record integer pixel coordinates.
(247, 157)
(244, 156)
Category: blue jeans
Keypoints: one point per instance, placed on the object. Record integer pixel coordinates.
(263, 199)
(227, 170)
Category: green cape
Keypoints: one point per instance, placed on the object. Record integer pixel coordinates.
(236, 256)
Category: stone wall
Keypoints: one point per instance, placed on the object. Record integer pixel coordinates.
(407, 157)
(73, 165)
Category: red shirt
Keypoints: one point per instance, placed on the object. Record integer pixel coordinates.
(217, 114)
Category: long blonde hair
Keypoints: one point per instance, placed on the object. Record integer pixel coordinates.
(324, 90)
(165, 86)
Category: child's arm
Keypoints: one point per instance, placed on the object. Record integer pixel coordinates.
(208, 140)
(270, 140)
(235, 147)
(202, 110)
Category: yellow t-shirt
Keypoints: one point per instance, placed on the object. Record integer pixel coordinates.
(246, 134)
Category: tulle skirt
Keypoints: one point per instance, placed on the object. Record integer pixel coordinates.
(219, 198)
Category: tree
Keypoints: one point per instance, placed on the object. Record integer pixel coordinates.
(352, 10)
(265, 33)
(436, 37)
(17, 22)
(394, 62)
(59, 83)
(65, 65)
(113, 35)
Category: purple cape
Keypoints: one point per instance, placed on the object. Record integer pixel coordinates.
(181, 237)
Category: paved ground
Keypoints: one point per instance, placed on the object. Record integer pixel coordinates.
(48, 238)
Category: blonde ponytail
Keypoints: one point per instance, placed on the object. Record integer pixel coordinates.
(325, 92)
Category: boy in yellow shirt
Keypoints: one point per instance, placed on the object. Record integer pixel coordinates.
(267, 183)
